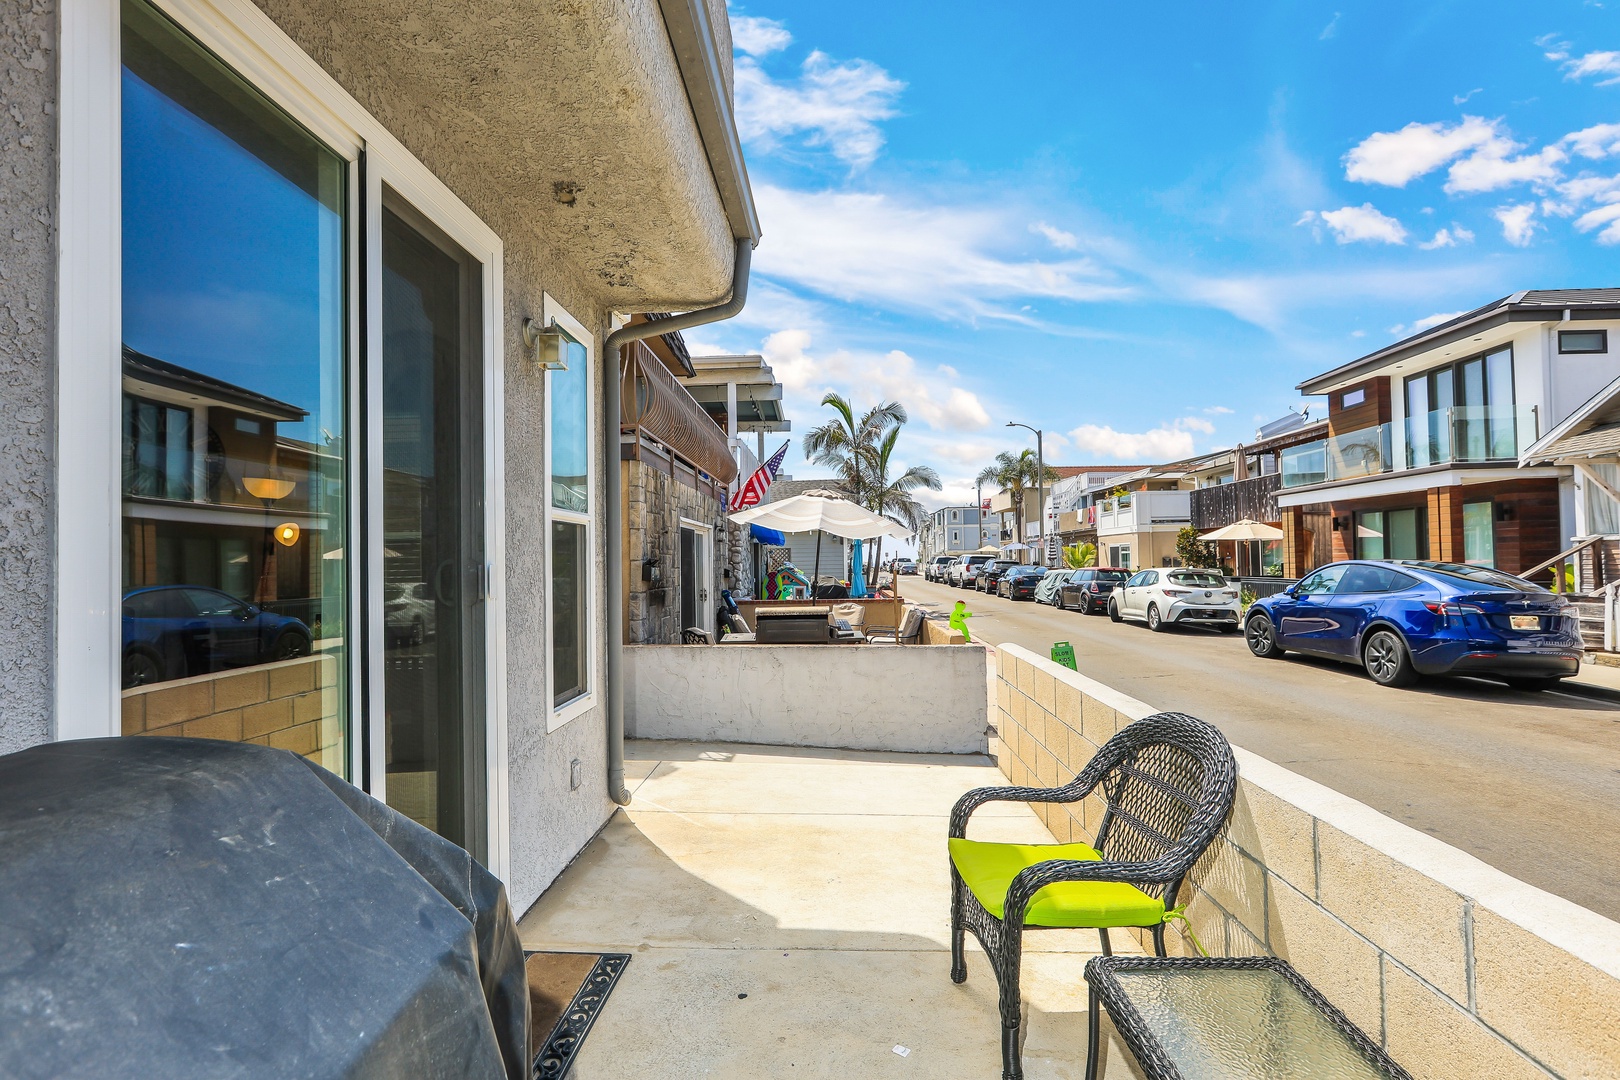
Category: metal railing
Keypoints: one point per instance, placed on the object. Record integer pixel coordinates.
(1464, 433)
(655, 403)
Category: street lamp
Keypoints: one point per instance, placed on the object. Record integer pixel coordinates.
(1040, 486)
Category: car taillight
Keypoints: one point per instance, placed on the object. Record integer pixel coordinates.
(1229, 594)
(1458, 610)
(1169, 591)
(1092, 587)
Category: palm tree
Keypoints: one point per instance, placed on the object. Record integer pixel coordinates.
(893, 498)
(1080, 556)
(847, 445)
(1015, 474)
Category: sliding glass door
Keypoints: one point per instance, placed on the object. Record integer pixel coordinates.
(433, 565)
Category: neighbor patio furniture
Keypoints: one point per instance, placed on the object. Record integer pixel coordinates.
(847, 623)
(792, 625)
(909, 632)
(696, 635)
(1167, 783)
(1247, 1018)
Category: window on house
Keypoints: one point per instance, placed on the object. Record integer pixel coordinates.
(1352, 397)
(233, 277)
(1479, 533)
(1583, 341)
(1462, 412)
(1390, 534)
(568, 437)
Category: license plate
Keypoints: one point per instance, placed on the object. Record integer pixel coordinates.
(1525, 622)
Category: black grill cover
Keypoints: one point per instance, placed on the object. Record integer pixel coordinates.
(183, 908)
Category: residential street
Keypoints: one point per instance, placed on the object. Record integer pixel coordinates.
(1530, 783)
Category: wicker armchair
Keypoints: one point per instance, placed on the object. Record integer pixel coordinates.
(1168, 782)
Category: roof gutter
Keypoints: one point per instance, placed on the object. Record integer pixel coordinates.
(698, 55)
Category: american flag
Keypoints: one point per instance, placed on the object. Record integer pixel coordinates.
(753, 490)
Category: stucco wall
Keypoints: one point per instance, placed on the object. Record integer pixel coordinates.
(27, 369)
(919, 698)
(1457, 969)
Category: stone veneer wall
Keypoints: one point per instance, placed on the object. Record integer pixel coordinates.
(654, 504)
(1457, 969)
(291, 705)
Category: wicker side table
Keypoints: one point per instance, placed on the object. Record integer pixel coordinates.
(1243, 1018)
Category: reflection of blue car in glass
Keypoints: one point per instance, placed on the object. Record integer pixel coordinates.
(172, 631)
(1399, 620)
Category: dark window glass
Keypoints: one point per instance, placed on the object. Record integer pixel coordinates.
(568, 599)
(1583, 341)
(234, 305)
(1325, 580)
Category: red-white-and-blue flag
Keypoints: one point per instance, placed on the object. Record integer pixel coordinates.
(753, 490)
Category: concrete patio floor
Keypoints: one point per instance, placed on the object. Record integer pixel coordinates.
(814, 882)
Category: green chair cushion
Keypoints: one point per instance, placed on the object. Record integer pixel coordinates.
(989, 869)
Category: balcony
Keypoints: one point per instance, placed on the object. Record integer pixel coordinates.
(1140, 510)
(655, 404)
(1460, 435)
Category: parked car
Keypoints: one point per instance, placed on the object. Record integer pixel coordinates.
(174, 631)
(1087, 591)
(1400, 620)
(934, 570)
(1020, 582)
(989, 573)
(409, 614)
(1181, 595)
(905, 566)
(963, 571)
(1047, 591)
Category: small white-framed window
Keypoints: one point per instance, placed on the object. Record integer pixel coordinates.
(570, 439)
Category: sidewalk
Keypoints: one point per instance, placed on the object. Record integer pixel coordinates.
(788, 915)
(1598, 681)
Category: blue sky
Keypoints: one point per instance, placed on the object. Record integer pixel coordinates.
(1139, 228)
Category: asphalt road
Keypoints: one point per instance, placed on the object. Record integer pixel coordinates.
(1529, 783)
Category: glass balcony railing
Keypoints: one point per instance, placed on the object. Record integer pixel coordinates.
(1442, 437)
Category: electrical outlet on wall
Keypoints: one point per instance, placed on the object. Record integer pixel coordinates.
(575, 774)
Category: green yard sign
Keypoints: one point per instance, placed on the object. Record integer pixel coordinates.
(1063, 653)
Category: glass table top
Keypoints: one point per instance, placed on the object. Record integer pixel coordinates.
(1250, 1024)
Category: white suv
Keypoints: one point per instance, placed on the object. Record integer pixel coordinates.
(964, 570)
(1181, 595)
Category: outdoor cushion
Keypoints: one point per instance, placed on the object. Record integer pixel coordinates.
(988, 870)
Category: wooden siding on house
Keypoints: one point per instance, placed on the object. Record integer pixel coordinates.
(1222, 504)
(1372, 411)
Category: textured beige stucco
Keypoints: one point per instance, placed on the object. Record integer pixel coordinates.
(27, 369)
(512, 103)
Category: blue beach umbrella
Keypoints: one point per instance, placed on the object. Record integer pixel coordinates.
(857, 572)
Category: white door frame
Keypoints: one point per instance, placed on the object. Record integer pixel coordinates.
(705, 541)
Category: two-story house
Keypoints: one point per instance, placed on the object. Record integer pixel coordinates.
(1421, 455)
(955, 530)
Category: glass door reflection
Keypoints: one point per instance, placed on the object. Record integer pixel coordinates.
(433, 544)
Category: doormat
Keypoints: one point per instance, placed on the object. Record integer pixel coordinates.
(566, 992)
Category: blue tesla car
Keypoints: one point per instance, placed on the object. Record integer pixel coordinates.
(1400, 620)
(172, 631)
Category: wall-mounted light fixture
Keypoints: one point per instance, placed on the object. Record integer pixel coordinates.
(287, 533)
(1504, 511)
(651, 572)
(268, 488)
(549, 347)
(1338, 524)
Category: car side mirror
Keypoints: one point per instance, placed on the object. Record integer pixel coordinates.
(1292, 592)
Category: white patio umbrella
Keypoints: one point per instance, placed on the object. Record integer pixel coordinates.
(1247, 529)
(988, 549)
(821, 514)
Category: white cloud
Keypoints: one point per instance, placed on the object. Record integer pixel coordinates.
(758, 37)
(1167, 442)
(1058, 238)
(930, 394)
(1448, 237)
(1608, 216)
(1420, 325)
(1461, 99)
(1595, 142)
(832, 105)
(1331, 29)
(1396, 158)
(1491, 168)
(1518, 223)
(1605, 65)
(1354, 224)
(1218, 410)
(942, 259)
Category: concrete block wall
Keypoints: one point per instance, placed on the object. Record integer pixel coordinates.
(291, 705)
(1457, 969)
(915, 698)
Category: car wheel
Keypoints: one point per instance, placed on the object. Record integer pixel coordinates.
(1113, 612)
(141, 669)
(1386, 659)
(1085, 605)
(1532, 684)
(1262, 638)
(290, 645)
(1155, 622)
